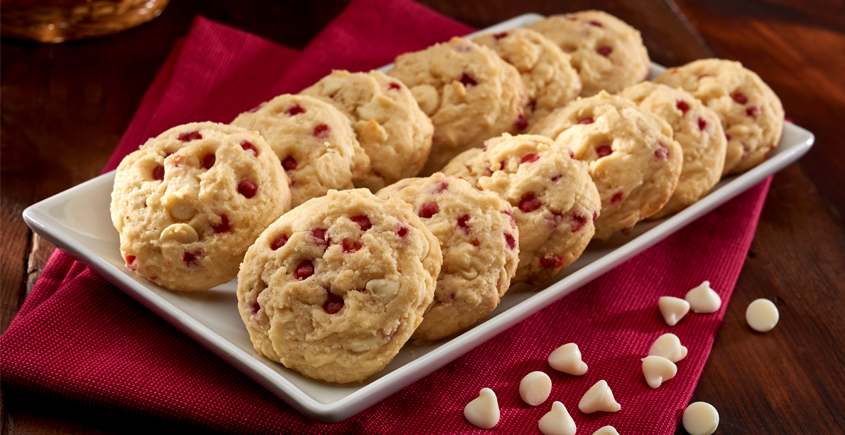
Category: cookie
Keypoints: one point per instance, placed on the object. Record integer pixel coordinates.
(546, 71)
(553, 200)
(313, 140)
(389, 124)
(751, 113)
(335, 287)
(191, 201)
(632, 157)
(699, 132)
(469, 92)
(607, 53)
(480, 250)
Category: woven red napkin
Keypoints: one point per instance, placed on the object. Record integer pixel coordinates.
(80, 339)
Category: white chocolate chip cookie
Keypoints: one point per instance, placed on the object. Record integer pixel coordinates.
(751, 113)
(698, 131)
(607, 53)
(334, 288)
(632, 157)
(480, 251)
(546, 70)
(469, 92)
(390, 126)
(313, 140)
(191, 201)
(553, 200)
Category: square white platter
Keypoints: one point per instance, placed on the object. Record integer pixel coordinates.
(78, 221)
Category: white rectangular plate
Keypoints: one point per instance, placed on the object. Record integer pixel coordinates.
(78, 221)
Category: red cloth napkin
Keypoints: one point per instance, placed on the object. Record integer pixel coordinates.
(80, 339)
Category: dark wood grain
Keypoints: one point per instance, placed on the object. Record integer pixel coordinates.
(64, 108)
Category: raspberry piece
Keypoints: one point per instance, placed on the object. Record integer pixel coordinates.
(739, 97)
(350, 246)
(467, 80)
(616, 197)
(208, 161)
(529, 158)
(604, 150)
(728, 137)
(702, 124)
(556, 177)
(402, 232)
(500, 35)
(158, 173)
(510, 241)
(661, 152)
(247, 188)
(321, 131)
(510, 215)
(528, 202)
(462, 223)
(191, 258)
(304, 270)
(289, 163)
(255, 308)
(130, 259)
(294, 110)
(604, 50)
(683, 107)
(595, 216)
(586, 121)
(752, 111)
(394, 86)
(531, 106)
(362, 221)
(319, 235)
(596, 23)
(189, 136)
(521, 123)
(279, 241)
(248, 146)
(333, 304)
(439, 187)
(428, 209)
(223, 226)
(551, 260)
(578, 221)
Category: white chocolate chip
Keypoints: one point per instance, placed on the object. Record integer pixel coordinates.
(567, 359)
(658, 370)
(426, 247)
(701, 418)
(672, 309)
(607, 430)
(599, 398)
(703, 299)
(483, 411)
(557, 421)
(535, 388)
(365, 344)
(182, 233)
(668, 346)
(179, 205)
(470, 274)
(762, 315)
(383, 289)
(427, 97)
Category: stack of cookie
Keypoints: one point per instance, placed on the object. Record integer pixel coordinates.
(532, 142)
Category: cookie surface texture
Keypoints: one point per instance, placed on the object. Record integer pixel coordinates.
(480, 248)
(314, 142)
(469, 92)
(389, 124)
(335, 287)
(191, 201)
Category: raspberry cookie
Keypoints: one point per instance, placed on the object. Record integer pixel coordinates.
(632, 157)
(480, 251)
(334, 288)
(553, 200)
(697, 129)
(751, 113)
(390, 126)
(191, 201)
(469, 92)
(313, 140)
(546, 71)
(607, 53)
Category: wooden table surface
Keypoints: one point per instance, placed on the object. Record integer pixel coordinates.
(65, 107)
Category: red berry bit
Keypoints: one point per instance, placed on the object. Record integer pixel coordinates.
(402, 232)
(248, 146)
(531, 106)
(595, 216)
(247, 188)
(467, 80)
(586, 121)
(752, 111)
(439, 187)
(223, 226)
(191, 258)
(333, 304)
(739, 97)
(510, 215)
(661, 152)
(189, 136)
(702, 124)
(528, 202)
(394, 86)
(462, 223)
(616, 197)
(510, 241)
(551, 261)
(683, 107)
(362, 221)
(604, 50)
(294, 110)
(319, 236)
(304, 270)
(529, 158)
(158, 173)
(255, 308)
(208, 161)
(289, 163)
(350, 246)
(596, 23)
(728, 137)
(578, 222)
(556, 177)
(130, 262)
(279, 241)
(322, 131)
(500, 35)
(428, 210)
(604, 150)
(521, 123)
